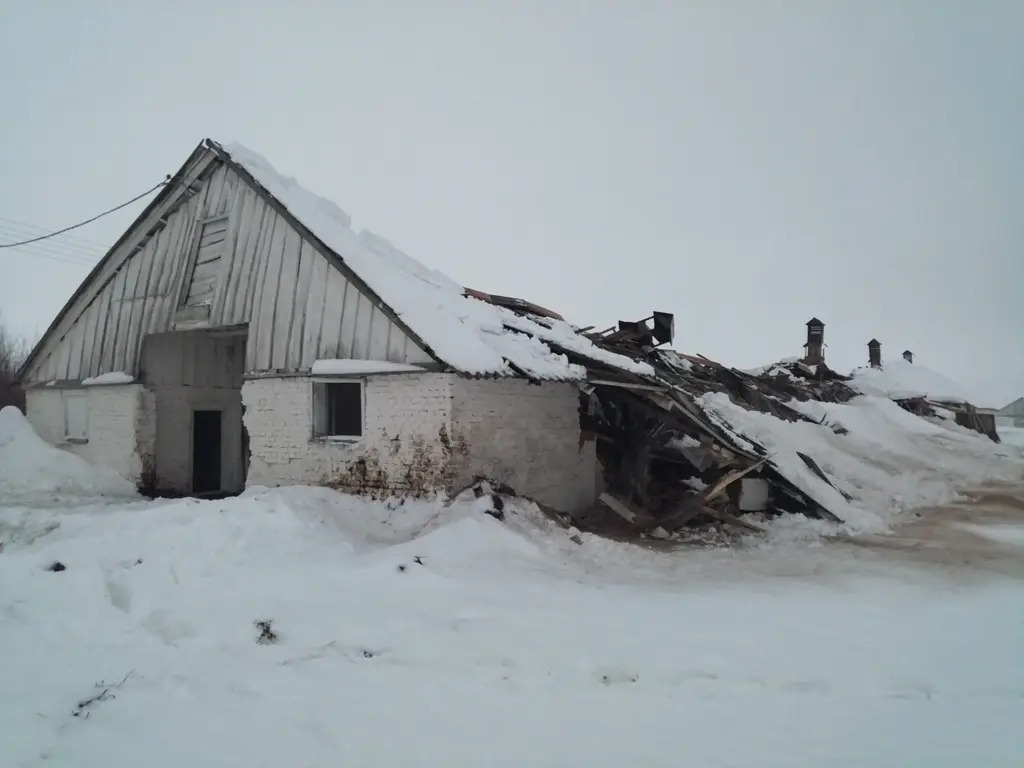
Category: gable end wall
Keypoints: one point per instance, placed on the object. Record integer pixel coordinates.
(298, 307)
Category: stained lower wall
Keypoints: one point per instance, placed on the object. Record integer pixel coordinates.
(406, 446)
(120, 430)
(527, 436)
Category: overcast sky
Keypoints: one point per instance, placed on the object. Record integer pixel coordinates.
(745, 165)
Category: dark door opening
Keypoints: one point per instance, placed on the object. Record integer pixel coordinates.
(206, 451)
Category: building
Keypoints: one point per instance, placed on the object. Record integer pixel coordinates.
(1011, 415)
(241, 333)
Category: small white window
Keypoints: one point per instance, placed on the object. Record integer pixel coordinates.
(338, 410)
(76, 417)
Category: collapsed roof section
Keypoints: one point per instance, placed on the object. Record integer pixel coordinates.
(670, 457)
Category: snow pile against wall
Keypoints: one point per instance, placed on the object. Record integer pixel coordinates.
(31, 467)
(900, 380)
(888, 461)
(121, 424)
(468, 334)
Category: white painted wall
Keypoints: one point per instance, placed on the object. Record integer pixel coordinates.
(423, 432)
(407, 422)
(120, 424)
(527, 436)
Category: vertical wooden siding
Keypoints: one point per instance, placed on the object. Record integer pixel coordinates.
(299, 308)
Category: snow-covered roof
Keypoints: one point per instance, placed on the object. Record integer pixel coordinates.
(898, 380)
(469, 335)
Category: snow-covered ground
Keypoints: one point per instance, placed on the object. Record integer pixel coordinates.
(420, 634)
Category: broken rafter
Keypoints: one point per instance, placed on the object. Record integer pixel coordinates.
(627, 385)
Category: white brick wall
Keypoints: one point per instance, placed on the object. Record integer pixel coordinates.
(527, 436)
(402, 447)
(115, 414)
(423, 432)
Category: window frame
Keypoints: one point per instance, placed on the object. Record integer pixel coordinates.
(320, 390)
(73, 395)
(195, 247)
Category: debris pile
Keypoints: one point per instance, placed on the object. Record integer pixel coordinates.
(671, 463)
(667, 464)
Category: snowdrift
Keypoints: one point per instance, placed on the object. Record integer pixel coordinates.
(30, 467)
(881, 460)
(144, 649)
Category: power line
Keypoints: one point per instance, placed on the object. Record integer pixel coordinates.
(57, 257)
(57, 254)
(51, 245)
(87, 221)
(56, 248)
(31, 230)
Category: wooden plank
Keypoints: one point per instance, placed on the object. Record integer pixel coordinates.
(315, 314)
(379, 330)
(297, 322)
(212, 200)
(103, 328)
(361, 329)
(333, 316)
(63, 359)
(347, 333)
(719, 488)
(208, 254)
(259, 279)
(269, 290)
(137, 305)
(254, 262)
(88, 323)
(122, 310)
(208, 240)
(618, 507)
(245, 230)
(291, 259)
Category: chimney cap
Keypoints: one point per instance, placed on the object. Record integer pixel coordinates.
(815, 321)
(874, 343)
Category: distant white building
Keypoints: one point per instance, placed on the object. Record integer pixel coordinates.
(1011, 415)
(240, 333)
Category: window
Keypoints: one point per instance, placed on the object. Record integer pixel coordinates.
(338, 409)
(76, 417)
(206, 268)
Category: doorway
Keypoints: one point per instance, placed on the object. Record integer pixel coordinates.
(206, 451)
(196, 381)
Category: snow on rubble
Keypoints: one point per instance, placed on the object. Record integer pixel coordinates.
(901, 380)
(885, 459)
(30, 467)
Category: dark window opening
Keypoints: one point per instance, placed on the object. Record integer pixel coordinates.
(338, 409)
